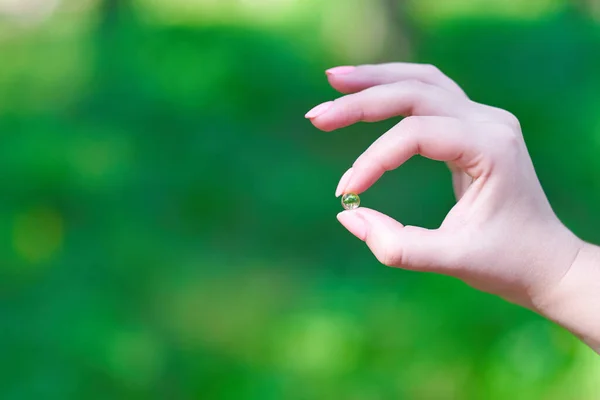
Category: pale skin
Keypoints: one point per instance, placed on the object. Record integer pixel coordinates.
(502, 236)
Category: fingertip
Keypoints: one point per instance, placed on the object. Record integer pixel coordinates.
(323, 117)
(376, 219)
(343, 183)
(354, 223)
(318, 110)
(341, 70)
(342, 84)
(323, 124)
(359, 181)
(347, 79)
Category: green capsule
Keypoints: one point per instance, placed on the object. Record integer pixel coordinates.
(350, 201)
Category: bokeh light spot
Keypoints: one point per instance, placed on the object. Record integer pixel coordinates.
(136, 357)
(433, 11)
(319, 344)
(38, 234)
(28, 8)
(185, 12)
(339, 27)
(101, 159)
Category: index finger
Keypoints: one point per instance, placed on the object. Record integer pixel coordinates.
(437, 138)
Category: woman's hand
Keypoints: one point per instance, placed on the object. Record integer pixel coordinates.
(501, 236)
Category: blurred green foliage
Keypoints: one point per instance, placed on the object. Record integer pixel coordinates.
(168, 220)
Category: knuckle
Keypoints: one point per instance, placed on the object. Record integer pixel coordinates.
(506, 140)
(410, 125)
(511, 120)
(432, 70)
(486, 113)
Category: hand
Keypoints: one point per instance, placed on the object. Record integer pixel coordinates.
(501, 236)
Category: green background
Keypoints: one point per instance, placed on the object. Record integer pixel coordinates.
(167, 216)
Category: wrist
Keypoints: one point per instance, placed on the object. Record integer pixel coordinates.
(574, 302)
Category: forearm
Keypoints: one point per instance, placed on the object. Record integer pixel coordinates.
(575, 303)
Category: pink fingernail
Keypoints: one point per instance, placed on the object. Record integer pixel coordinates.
(318, 110)
(346, 69)
(343, 183)
(354, 223)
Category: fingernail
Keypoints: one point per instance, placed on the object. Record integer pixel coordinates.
(346, 69)
(318, 110)
(343, 183)
(354, 223)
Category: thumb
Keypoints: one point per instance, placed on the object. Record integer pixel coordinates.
(396, 245)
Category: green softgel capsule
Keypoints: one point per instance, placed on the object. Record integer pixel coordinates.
(350, 201)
